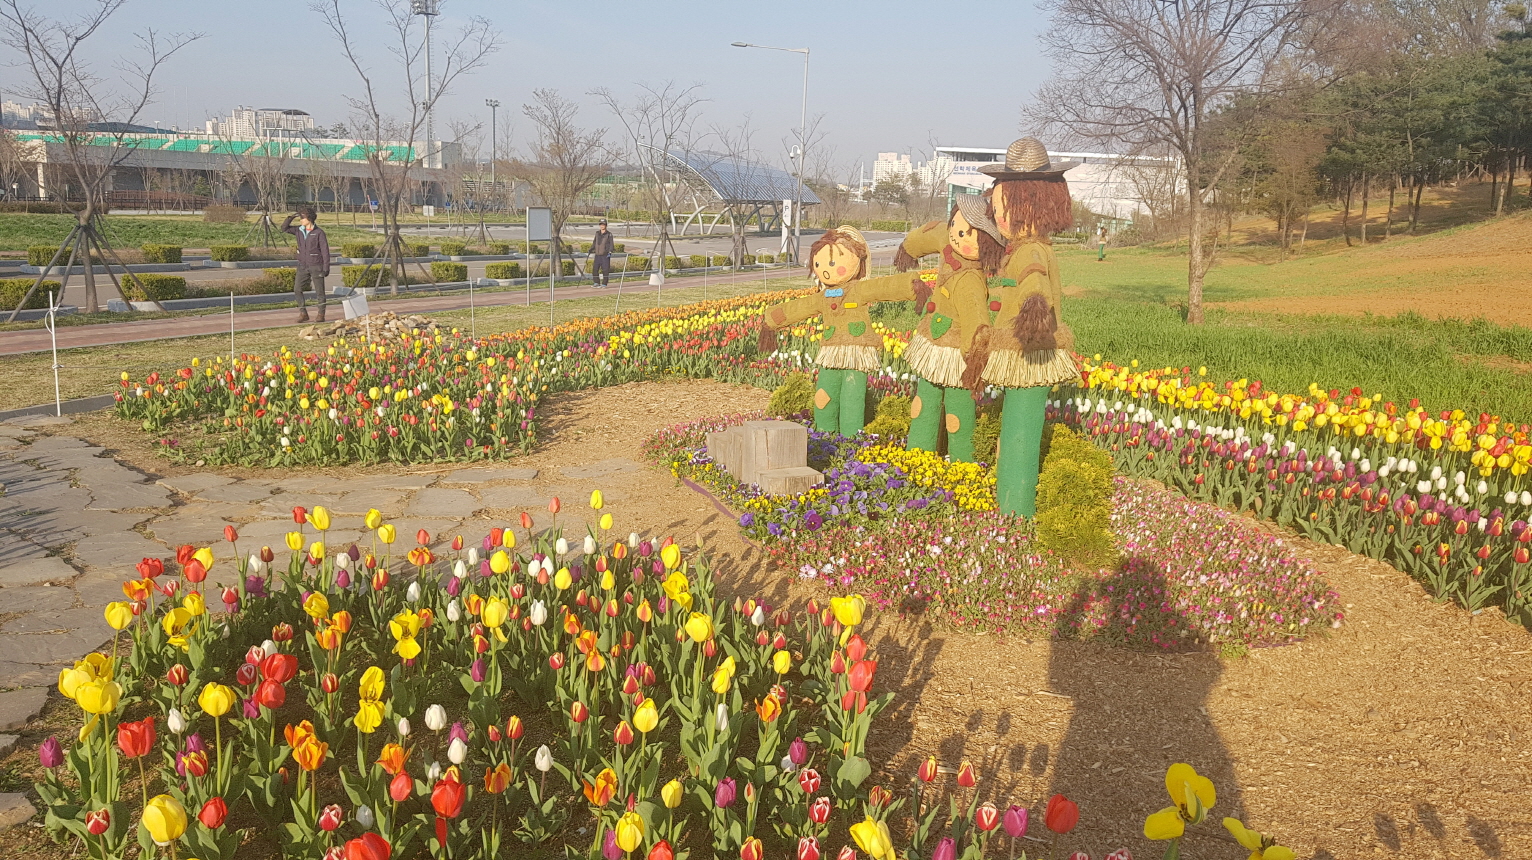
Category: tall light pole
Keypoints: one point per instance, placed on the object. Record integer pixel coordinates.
(427, 10)
(494, 187)
(803, 121)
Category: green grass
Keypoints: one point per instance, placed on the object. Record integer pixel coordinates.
(17, 231)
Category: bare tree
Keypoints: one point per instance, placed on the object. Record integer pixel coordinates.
(62, 81)
(1147, 74)
(264, 168)
(467, 176)
(14, 157)
(562, 162)
(461, 53)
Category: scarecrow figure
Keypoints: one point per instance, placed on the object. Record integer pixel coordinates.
(1029, 347)
(948, 349)
(851, 349)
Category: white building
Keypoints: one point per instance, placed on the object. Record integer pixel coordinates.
(246, 123)
(891, 167)
(1101, 181)
(17, 115)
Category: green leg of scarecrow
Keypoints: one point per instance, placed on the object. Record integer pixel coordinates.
(925, 417)
(853, 402)
(827, 399)
(960, 417)
(1020, 451)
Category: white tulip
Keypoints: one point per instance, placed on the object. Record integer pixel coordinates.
(436, 718)
(590, 545)
(256, 566)
(473, 556)
(544, 758)
(539, 613)
(176, 721)
(632, 540)
(560, 547)
(547, 566)
(721, 718)
(454, 613)
(459, 569)
(342, 561)
(364, 816)
(1526, 497)
(1422, 486)
(1459, 478)
(533, 567)
(1436, 472)
(787, 764)
(758, 617)
(268, 647)
(434, 772)
(412, 594)
(1510, 497)
(1482, 487)
(457, 751)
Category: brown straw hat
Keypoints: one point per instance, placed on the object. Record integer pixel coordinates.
(1026, 158)
(974, 212)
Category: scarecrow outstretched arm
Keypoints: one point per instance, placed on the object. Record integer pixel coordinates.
(889, 288)
(793, 312)
(929, 238)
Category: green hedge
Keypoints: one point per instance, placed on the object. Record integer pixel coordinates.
(697, 261)
(636, 263)
(499, 249)
(366, 276)
(156, 288)
(503, 271)
(567, 267)
(619, 248)
(230, 253)
(358, 250)
(12, 289)
(585, 247)
(536, 249)
(448, 272)
(749, 259)
(890, 226)
(162, 253)
(1074, 494)
(672, 262)
(42, 255)
(417, 249)
(720, 260)
(765, 258)
(284, 278)
(454, 249)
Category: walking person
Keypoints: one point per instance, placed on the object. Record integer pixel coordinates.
(1101, 243)
(601, 252)
(313, 259)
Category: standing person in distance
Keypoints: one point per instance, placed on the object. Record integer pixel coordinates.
(1101, 243)
(313, 259)
(601, 252)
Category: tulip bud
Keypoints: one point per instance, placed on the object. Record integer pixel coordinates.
(330, 818)
(846, 853)
(556, 660)
(98, 822)
(721, 717)
(927, 771)
(176, 721)
(798, 752)
(808, 848)
(543, 759)
(819, 810)
(561, 547)
(965, 775)
(401, 787)
(51, 753)
(808, 780)
(178, 675)
(436, 718)
(364, 816)
(246, 674)
(945, 849)
(579, 712)
(404, 727)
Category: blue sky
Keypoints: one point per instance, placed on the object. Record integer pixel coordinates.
(887, 75)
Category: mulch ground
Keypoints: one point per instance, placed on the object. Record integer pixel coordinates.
(1403, 733)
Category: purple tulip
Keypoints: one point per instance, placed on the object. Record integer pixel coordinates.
(798, 752)
(255, 586)
(356, 554)
(454, 586)
(194, 743)
(457, 732)
(645, 549)
(664, 605)
(945, 849)
(1016, 821)
(484, 571)
(723, 796)
(343, 579)
(487, 545)
(609, 847)
(251, 708)
(50, 754)
(478, 670)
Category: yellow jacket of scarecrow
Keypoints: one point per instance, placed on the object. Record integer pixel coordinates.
(849, 340)
(953, 313)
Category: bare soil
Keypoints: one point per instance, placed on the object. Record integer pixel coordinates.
(1404, 733)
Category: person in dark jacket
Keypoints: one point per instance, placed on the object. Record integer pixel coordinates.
(601, 255)
(313, 259)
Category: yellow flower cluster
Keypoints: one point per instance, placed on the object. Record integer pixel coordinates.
(972, 485)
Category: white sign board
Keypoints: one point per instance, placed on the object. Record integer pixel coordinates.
(428, 210)
(539, 224)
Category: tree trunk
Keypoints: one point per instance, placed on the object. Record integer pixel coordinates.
(1418, 187)
(92, 305)
(1366, 187)
(1494, 189)
(1388, 224)
(1345, 218)
(1305, 234)
(1195, 266)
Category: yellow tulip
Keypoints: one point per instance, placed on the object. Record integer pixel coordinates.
(119, 614)
(369, 715)
(872, 837)
(671, 793)
(499, 562)
(215, 699)
(1165, 824)
(608, 581)
(671, 556)
(407, 648)
(1261, 848)
(699, 627)
(165, 819)
(496, 612)
(562, 579)
(316, 549)
(295, 541)
(194, 604)
(320, 518)
(676, 585)
(595, 500)
(387, 533)
(371, 686)
(204, 555)
(848, 610)
(99, 696)
(405, 625)
(1191, 792)
(630, 828)
(646, 717)
(374, 518)
(606, 522)
(721, 680)
(782, 662)
(317, 606)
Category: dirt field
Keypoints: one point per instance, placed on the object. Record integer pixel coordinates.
(1403, 734)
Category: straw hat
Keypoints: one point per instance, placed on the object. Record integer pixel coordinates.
(974, 212)
(1026, 158)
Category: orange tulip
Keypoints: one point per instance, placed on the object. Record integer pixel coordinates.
(603, 789)
(768, 709)
(311, 755)
(498, 779)
(394, 759)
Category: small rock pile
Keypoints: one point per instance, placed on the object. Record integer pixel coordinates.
(386, 325)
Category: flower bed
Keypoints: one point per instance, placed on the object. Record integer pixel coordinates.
(460, 699)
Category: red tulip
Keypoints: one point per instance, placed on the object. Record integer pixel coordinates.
(401, 787)
(300, 514)
(526, 520)
(184, 554)
(808, 848)
(194, 571)
(514, 728)
(329, 682)
(856, 649)
(422, 537)
(987, 817)
(246, 675)
(98, 822)
(497, 537)
(837, 664)
(927, 771)
(457, 543)
(195, 763)
(808, 780)
(330, 818)
(965, 775)
(623, 735)
(136, 739)
(1062, 814)
(370, 846)
(267, 555)
(230, 534)
(554, 506)
(271, 694)
(149, 568)
(177, 676)
(661, 851)
(1521, 555)
(579, 712)
(819, 810)
(752, 850)
(447, 799)
(213, 813)
(556, 660)
(279, 667)
(860, 677)
(282, 632)
(846, 853)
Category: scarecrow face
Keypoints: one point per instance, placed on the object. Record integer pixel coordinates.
(963, 237)
(997, 203)
(835, 265)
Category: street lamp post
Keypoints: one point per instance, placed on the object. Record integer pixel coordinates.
(494, 187)
(803, 119)
(427, 10)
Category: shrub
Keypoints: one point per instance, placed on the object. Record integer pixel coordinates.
(358, 250)
(223, 213)
(156, 288)
(454, 249)
(12, 289)
(748, 260)
(230, 253)
(448, 272)
(282, 279)
(503, 271)
(619, 248)
(890, 226)
(794, 396)
(536, 249)
(42, 255)
(636, 264)
(567, 268)
(417, 249)
(986, 432)
(366, 276)
(162, 253)
(719, 260)
(892, 419)
(765, 258)
(672, 262)
(499, 249)
(585, 247)
(1074, 494)
(698, 260)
